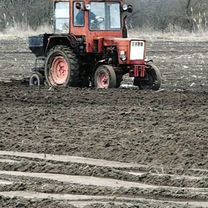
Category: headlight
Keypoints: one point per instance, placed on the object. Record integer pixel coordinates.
(125, 7)
(123, 56)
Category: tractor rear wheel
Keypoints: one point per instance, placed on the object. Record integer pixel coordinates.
(36, 79)
(153, 81)
(61, 67)
(105, 77)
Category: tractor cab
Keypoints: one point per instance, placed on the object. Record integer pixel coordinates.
(88, 15)
(89, 47)
(91, 19)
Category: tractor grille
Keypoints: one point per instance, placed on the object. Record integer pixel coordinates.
(137, 50)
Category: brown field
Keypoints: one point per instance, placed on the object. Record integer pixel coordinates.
(106, 148)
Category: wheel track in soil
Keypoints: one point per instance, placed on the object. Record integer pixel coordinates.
(119, 191)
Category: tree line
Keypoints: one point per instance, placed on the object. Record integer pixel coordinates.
(160, 15)
(23, 13)
(170, 15)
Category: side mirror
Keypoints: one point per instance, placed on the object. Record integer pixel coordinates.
(87, 7)
(130, 8)
(78, 6)
(127, 8)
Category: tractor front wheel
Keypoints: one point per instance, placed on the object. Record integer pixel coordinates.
(105, 77)
(152, 80)
(61, 67)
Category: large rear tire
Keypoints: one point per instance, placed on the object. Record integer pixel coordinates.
(152, 81)
(105, 77)
(61, 67)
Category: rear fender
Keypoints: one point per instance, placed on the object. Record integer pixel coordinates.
(67, 40)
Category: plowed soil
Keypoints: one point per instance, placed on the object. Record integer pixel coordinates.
(105, 148)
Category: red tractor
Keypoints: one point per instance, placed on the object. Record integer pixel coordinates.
(89, 47)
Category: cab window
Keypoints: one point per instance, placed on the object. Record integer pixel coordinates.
(78, 15)
(105, 16)
(62, 17)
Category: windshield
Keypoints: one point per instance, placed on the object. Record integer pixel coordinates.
(62, 17)
(105, 16)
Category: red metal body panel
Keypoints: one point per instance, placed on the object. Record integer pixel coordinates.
(123, 44)
(97, 41)
(90, 36)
